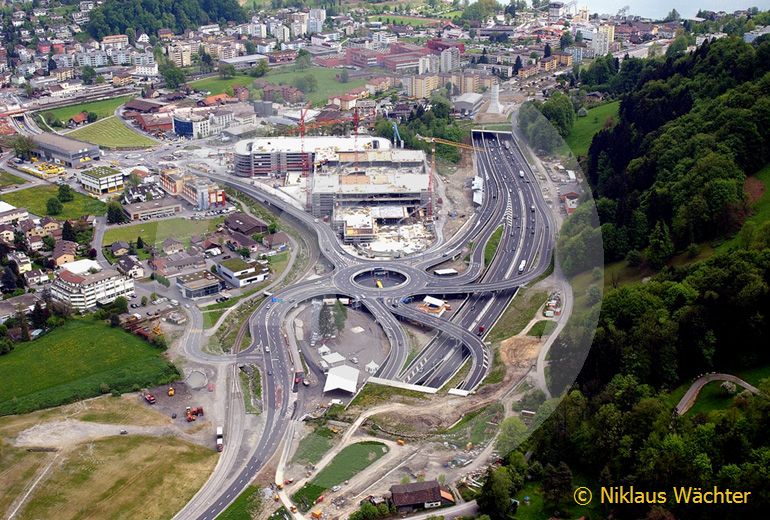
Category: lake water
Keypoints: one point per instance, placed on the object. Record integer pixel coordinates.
(660, 8)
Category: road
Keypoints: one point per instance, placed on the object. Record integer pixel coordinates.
(688, 399)
(512, 200)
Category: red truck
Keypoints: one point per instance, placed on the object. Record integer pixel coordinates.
(149, 398)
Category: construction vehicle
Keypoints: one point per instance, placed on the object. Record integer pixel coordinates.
(401, 442)
(220, 438)
(316, 515)
(293, 509)
(379, 284)
(192, 413)
(279, 485)
(149, 398)
(276, 497)
(171, 391)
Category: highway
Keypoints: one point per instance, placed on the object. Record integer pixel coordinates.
(512, 200)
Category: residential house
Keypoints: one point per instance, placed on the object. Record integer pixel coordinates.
(119, 248)
(277, 241)
(22, 261)
(244, 223)
(129, 267)
(64, 252)
(171, 246)
(36, 277)
(419, 495)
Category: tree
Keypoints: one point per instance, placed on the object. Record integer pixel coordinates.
(513, 431)
(54, 206)
(88, 74)
(21, 318)
(250, 47)
(172, 75)
(495, 497)
(272, 227)
(65, 193)
(92, 253)
(115, 213)
(23, 146)
(92, 116)
(307, 83)
(565, 40)
(661, 246)
(672, 16)
(547, 50)
(39, 316)
(303, 61)
(67, 232)
(144, 301)
(557, 483)
(207, 62)
(139, 242)
(517, 65)
(9, 279)
(344, 76)
(120, 305)
(226, 70)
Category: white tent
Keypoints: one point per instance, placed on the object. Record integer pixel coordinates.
(343, 377)
(372, 367)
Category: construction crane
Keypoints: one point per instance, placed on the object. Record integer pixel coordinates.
(433, 141)
(302, 114)
(397, 141)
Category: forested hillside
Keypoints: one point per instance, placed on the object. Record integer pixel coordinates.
(147, 16)
(669, 174)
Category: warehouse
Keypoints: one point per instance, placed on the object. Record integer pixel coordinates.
(63, 150)
(156, 208)
(468, 103)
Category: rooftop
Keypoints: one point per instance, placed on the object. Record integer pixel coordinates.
(236, 264)
(100, 172)
(62, 143)
(312, 143)
(197, 280)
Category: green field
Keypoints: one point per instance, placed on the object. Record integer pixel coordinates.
(414, 21)
(245, 507)
(112, 133)
(313, 447)
(491, 248)
(35, 199)
(521, 309)
(73, 361)
(586, 127)
(711, 398)
(542, 328)
(760, 209)
(155, 232)
(102, 108)
(9, 179)
(327, 82)
(347, 463)
(217, 85)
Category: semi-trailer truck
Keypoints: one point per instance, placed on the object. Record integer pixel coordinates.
(220, 438)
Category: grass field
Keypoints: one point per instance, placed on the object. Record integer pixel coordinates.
(122, 477)
(711, 398)
(217, 85)
(373, 394)
(542, 328)
(156, 231)
(586, 127)
(245, 507)
(414, 21)
(522, 309)
(9, 179)
(327, 82)
(313, 447)
(760, 208)
(491, 248)
(112, 133)
(35, 198)
(102, 108)
(73, 361)
(347, 463)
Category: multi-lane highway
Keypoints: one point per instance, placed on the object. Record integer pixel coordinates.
(512, 203)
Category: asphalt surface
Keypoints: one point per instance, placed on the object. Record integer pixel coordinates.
(512, 200)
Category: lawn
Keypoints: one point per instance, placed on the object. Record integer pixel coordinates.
(373, 394)
(129, 476)
(35, 199)
(112, 133)
(347, 463)
(217, 85)
(327, 82)
(711, 398)
(73, 361)
(414, 21)
(760, 208)
(491, 248)
(102, 108)
(579, 139)
(542, 328)
(520, 311)
(156, 231)
(9, 179)
(313, 447)
(245, 507)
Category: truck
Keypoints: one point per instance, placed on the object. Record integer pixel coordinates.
(521, 174)
(149, 398)
(220, 438)
(522, 265)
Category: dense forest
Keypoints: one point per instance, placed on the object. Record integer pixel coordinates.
(670, 173)
(689, 133)
(147, 16)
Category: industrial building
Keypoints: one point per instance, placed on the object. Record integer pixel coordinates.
(64, 150)
(101, 180)
(277, 156)
(165, 207)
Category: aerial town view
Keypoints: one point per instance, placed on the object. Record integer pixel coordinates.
(371, 260)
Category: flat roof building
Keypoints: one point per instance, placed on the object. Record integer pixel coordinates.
(244, 62)
(156, 208)
(199, 284)
(101, 180)
(85, 291)
(70, 152)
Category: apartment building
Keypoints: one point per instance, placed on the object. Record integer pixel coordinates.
(83, 292)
